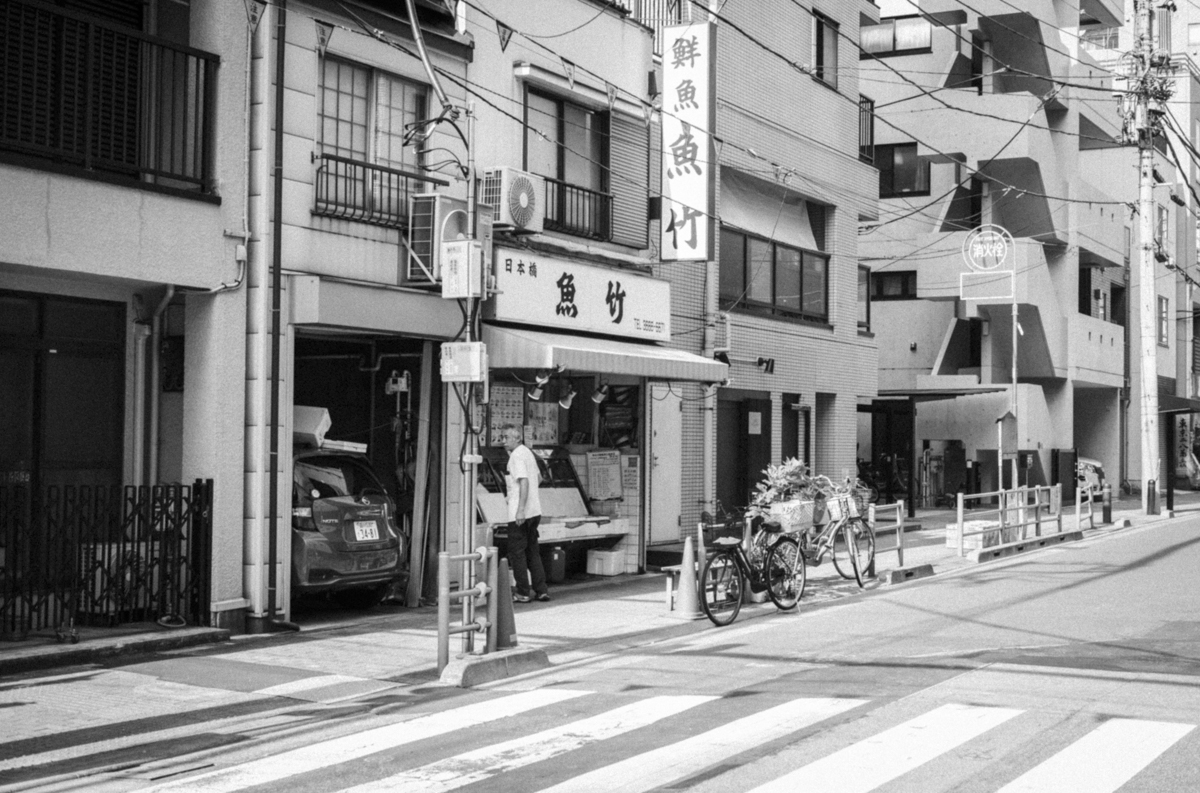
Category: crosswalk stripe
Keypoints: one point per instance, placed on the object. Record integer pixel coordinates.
(351, 747)
(480, 764)
(872, 762)
(667, 764)
(1103, 760)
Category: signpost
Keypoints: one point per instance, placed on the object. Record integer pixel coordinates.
(990, 253)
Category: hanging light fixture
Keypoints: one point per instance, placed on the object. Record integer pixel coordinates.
(535, 393)
(565, 401)
(600, 394)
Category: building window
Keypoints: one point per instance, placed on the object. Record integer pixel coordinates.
(1100, 38)
(768, 276)
(866, 130)
(1193, 36)
(900, 36)
(566, 144)
(366, 172)
(894, 285)
(864, 299)
(1164, 321)
(901, 171)
(825, 49)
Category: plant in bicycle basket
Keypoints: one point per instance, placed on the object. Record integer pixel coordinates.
(790, 480)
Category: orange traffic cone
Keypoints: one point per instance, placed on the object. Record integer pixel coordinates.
(506, 624)
(687, 607)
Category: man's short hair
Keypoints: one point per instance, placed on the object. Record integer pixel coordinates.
(510, 429)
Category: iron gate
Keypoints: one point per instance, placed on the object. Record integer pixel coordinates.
(103, 556)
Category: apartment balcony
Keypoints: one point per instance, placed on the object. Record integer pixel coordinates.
(1097, 351)
(1099, 227)
(365, 192)
(578, 211)
(81, 97)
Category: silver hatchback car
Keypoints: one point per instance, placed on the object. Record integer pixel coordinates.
(345, 538)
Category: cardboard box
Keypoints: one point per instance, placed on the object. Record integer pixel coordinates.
(605, 562)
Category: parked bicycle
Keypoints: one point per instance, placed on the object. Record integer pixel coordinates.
(845, 536)
(773, 563)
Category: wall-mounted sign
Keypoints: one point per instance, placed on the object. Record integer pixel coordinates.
(689, 116)
(551, 292)
(989, 252)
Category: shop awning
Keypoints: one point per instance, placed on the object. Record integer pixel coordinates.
(509, 348)
(1169, 403)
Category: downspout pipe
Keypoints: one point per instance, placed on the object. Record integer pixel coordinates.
(156, 335)
(276, 328)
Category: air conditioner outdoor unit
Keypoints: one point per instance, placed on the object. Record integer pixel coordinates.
(433, 219)
(519, 199)
(115, 577)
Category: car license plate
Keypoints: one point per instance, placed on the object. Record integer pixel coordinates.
(366, 530)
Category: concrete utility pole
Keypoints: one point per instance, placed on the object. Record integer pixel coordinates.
(1149, 86)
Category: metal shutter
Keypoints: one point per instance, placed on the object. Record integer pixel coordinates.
(629, 156)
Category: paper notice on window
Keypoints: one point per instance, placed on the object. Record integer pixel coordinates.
(755, 423)
(604, 475)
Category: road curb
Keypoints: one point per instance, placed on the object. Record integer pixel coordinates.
(466, 671)
(31, 659)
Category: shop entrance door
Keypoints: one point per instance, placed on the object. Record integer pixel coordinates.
(666, 460)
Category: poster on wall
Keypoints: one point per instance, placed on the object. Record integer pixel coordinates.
(507, 406)
(543, 423)
(631, 473)
(604, 475)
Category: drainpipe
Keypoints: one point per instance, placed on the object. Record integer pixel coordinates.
(141, 333)
(155, 381)
(276, 310)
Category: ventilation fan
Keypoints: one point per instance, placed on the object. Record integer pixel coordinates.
(519, 199)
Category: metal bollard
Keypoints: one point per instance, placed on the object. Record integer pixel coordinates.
(1151, 497)
(1106, 504)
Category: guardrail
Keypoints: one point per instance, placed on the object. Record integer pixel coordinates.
(874, 512)
(1016, 511)
(471, 597)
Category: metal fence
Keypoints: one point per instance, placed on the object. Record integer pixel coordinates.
(104, 556)
(82, 93)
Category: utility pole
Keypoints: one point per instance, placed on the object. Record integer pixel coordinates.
(1149, 85)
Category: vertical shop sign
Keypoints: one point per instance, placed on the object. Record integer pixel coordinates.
(688, 122)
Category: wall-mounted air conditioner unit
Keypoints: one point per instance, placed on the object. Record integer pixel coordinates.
(433, 219)
(519, 199)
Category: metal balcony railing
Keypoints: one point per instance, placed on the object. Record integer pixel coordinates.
(578, 211)
(866, 130)
(357, 190)
(79, 93)
(655, 14)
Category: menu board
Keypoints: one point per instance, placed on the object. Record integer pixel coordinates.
(604, 475)
(507, 406)
(618, 417)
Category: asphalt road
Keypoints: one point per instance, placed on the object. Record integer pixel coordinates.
(1075, 668)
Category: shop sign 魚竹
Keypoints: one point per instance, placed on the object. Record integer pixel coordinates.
(552, 292)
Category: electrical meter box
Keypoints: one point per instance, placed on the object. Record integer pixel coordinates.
(462, 263)
(464, 362)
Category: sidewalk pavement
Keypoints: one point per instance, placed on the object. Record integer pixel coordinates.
(587, 619)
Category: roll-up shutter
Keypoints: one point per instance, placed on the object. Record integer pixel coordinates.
(629, 153)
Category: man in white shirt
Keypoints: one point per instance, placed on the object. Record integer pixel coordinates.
(521, 481)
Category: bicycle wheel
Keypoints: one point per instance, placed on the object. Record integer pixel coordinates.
(785, 573)
(854, 550)
(721, 588)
